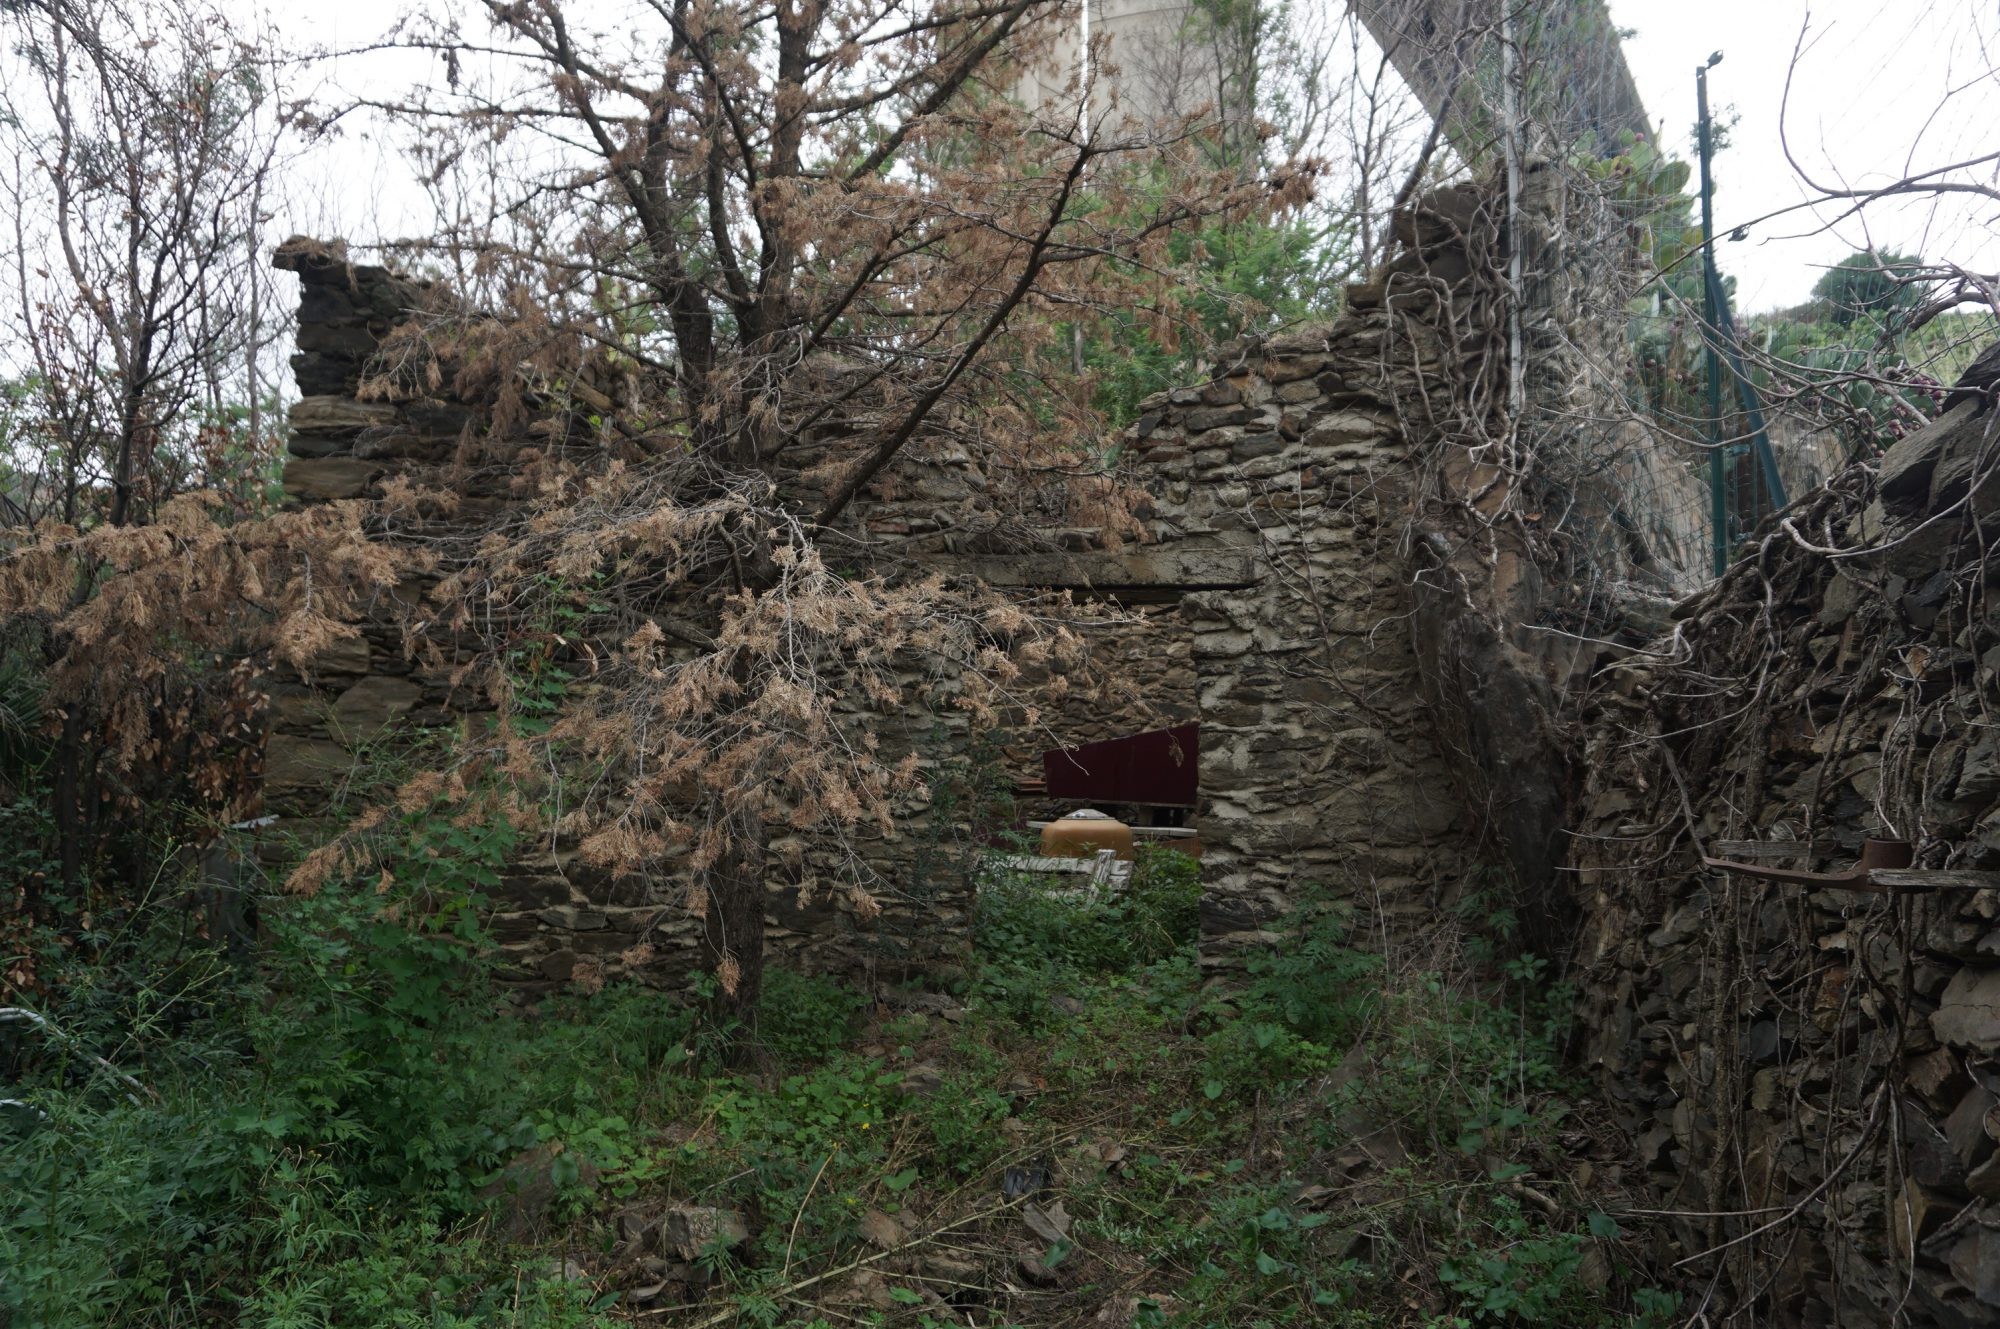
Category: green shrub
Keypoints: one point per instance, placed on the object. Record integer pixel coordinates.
(805, 1018)
(1869, 282)
(1314, 983)
(1035, 938)
(309, 1136)
(216, 1202)
(1302, 1006)
(1161, 905)
(962, 1118)
(1031, 919)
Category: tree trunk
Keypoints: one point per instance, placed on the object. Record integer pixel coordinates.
(69, 808)
(733, 937)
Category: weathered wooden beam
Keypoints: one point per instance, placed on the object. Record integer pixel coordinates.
(1934, 879)
(1760, 850)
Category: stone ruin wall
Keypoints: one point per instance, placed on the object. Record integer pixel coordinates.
(1399, 579)
(1319, 768)
(1266, 609)
(551, 916)
(1810, 1077)
(1280, 601)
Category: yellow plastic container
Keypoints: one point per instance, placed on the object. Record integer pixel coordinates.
(1085, 833)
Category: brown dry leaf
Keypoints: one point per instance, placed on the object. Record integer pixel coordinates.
(1109, 1153)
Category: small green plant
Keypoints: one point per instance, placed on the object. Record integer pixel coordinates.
(803, 1018)
(1314, 983)
(963, 1117)
(1523, 1271)
(1036, 936)
(1161, 904)
(1029, 919)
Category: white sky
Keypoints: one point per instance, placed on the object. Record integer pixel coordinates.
(1869, 101)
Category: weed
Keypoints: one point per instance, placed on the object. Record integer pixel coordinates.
(805, 1019)
(962, 1120)
(309, 1135)
(1035, 940)
(324, 1126)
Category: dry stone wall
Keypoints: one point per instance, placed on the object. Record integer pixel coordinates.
(1383, 690)
(1287, 596)
(341, 448)
(1808, 1078)
(364, 706)
(1319, 767)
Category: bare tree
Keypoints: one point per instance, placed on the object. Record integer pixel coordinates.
(139, 142)
(812, 238)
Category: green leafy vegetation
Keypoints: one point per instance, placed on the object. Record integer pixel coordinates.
(1258, 276)
(307, 1140)
(360, 1130)
(1849, 364)
(346, 1117)
(1869, 284)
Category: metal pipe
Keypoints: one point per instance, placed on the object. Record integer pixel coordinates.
(1718, 466)
(1517, 366)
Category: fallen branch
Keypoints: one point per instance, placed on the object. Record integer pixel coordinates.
(21, 1015)
(724, 1317)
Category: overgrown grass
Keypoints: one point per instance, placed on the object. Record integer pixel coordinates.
(303, 1137)
(1319, 1141)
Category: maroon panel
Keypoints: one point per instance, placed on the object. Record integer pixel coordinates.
(1162, 767)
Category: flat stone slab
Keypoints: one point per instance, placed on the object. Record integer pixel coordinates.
(1968, 1014)
(328, 477)
(340, 415)
(294, 763)
(375, 703)
(1141, 569)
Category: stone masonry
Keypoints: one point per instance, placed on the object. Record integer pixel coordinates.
(1807, 1079)
(1277, 600)
(365, 698)
(1318, 766)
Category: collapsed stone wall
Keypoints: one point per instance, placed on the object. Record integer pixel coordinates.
(1807, 1078)
(1340, 583)
(366, 698)
(1279, 485)
(1381, 693)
